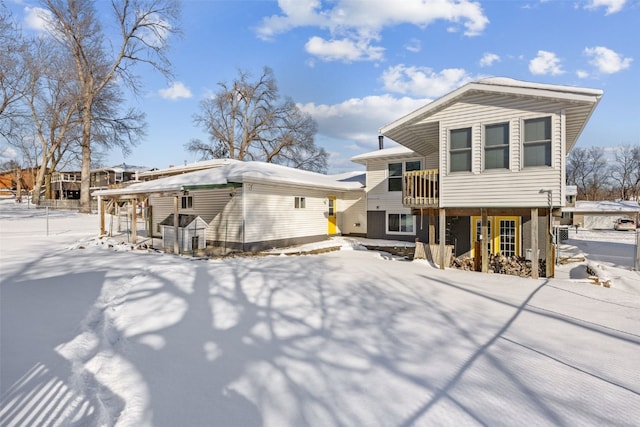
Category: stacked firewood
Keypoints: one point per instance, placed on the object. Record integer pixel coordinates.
(511, 265)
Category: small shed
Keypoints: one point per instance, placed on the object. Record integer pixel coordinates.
(191, 233)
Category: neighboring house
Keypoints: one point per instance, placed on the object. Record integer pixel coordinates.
(602, 214)
(17, 180)
(251, 206)
(487, 160)
(66, 185)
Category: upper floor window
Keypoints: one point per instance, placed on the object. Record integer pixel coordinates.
(460, 150)
(397, 169)
(299, 202)
(187, 202)
(536, 145)
(496, 146)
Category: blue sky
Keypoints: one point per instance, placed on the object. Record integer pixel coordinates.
(356, 65)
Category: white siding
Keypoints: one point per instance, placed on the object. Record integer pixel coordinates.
(352, 213)
(161, 207)
(208, 204)
(513, 187)
(379, 198)
(270, 213)
(224, 215)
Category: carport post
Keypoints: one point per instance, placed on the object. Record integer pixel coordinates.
(637, 266)
(101, 205)
(176, 241)
(134, 220)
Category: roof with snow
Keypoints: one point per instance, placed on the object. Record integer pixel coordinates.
(414, 129)
(604, 206)
(190, 167)
(242, 172)
(397, 151)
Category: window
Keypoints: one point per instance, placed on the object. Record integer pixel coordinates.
(537, 142)
(187, 202)
(299, 203)
(396, 170)
(395, 176)
(400, 223)
(460, 150)
(496, 146)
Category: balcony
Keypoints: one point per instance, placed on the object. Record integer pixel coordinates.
(420, 189)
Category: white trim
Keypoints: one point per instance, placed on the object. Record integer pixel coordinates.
(402, 233)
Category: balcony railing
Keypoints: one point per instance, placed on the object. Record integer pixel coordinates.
(420, 188)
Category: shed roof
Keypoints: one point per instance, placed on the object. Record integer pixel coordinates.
(184, 220)
(242, 172)
(580, 103)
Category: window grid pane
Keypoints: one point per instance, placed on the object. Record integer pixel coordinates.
(412, 166)
(394, 222)
(507, 237)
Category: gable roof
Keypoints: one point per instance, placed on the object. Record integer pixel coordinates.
(580, 103)
(241, 172)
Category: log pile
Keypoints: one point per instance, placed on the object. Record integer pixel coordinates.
(500, 264)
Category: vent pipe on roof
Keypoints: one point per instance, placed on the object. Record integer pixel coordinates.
(380, 142)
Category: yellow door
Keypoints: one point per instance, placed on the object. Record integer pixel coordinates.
(504, 234)
(332, 214)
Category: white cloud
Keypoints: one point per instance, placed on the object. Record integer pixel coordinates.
(545, 63)
(488, 59)
(8, 154)
(423, 81)
(362, 21)
(358, 119)
(414, 46)
(155, 31)
(344, 50)
(612, 6)
(35, 18)
(582, 74)
(606, 60)
(177, 90)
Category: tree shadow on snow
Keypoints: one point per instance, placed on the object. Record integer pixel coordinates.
(36, 381)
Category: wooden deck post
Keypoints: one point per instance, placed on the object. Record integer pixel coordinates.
(443, 236)
(485, 242)
(432, 227)
(550, 252)
(134, 221)
(176, 225)
(534, 243)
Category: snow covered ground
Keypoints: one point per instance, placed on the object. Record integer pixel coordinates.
(94, 333)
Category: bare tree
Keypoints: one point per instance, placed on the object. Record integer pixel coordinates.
(587, 169)
(11, 71)
(246, 121)
(144, 27)
(624, 171)
(51, 96)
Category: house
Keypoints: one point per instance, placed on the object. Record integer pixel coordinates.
(481, 168)
(249, 206)
(66, 185)
(602, 214)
